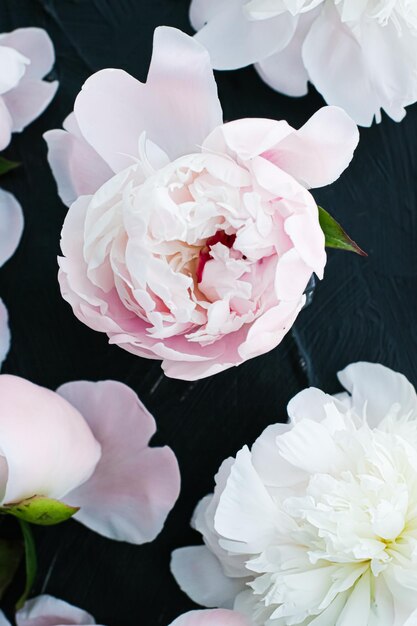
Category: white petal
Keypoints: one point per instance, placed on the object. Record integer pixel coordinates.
(199, 574)
(4, 334)
(376, 388)
(334, 61)
(234, 41)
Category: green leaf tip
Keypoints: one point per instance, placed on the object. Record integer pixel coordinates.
(7, 166)
(40, 510)
(335, 236)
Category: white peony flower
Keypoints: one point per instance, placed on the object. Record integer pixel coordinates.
(317, 524)
(359, 54)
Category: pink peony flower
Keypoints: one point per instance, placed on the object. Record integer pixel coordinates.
(87, 445)
(187, 240)
(11, 227)
(360, 55)
(26, 56)
(49, 611)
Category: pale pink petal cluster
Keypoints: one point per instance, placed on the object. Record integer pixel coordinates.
(26, 56)
(359, 54)
(11, 228)
(87, 445)
(215, 617)
(316, 525)
(187, 240)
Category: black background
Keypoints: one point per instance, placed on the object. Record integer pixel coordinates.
(364, 308)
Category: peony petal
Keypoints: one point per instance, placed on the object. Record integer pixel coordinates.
(201, 11)
(28, 100)
(77, 168)
(177, 108)
(36, 45)
(219, 617)
(4, 333)
(269, 464)
(246, 512)
(269, 329)
(6, 123)
(320, 151)
(308, 239)
(331, 52)
(284, 71)
(235, 41)
(12, 68)
(49, 611)
(199, 574)
(133, 487)
(47, 444)
(375, 389)
(292, 275)
(309, 404)
(46, 610)
(11, 225)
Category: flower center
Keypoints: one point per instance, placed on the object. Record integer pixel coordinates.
(205, 253)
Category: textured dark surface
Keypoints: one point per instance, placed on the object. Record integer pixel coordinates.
(364, 309)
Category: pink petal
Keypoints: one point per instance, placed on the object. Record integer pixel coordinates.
(77, 168)
(269, 329)
(36, 45)
(6, 124)
(49, 611)
(235, 41)
(320, 151)
(28, 100)
(199, 574)
(292, 276)
(133, 487)
(177, 108)
(12, 68)
(47, 444)
(4, 334)
(216, 617)
(11, 225)
(308, 238)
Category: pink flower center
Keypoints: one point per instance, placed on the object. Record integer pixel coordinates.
(205, 252)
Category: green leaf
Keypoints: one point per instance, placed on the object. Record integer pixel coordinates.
(11, 553)
(335, 236)
(40, 510)
(7, 166)
(31, 562)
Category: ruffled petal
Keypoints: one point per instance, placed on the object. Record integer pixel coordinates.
(28, 100)
(4, 333)
(199, 574)
(235, 41)
(11, 225)
(319, 151)
(375, 389)
(133, 487)
(36, 45)
(177, 108)
(219, 617)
